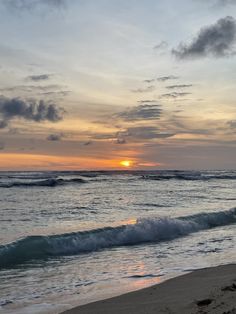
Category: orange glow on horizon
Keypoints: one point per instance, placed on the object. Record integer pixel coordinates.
(18, 161)
(32, 162)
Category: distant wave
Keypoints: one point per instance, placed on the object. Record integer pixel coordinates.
(144, 230)
(189, 176)
(47, 182)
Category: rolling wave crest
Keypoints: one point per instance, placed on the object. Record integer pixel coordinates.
(144, 230)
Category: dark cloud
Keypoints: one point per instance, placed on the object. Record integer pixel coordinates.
(174, 95)
(55, 137)
(34, 4)
(143, 90)
(29, 110)
(142, 112)
(41, 77)
(179, 86)
(217, 40)
(167, 78)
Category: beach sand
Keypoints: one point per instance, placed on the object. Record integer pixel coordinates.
(210, 290)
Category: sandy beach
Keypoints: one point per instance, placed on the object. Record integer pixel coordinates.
(210, 290)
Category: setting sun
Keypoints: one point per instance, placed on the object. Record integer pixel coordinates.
(126, 163)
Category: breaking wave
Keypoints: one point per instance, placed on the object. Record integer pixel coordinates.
(51, 182)
(144, 230)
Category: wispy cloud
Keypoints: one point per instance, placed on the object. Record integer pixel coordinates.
(161, 46)
(141, 112)
(31, 88)
(34, 4)
(149, 81)
(146, 133)
(167, 78)
(174, 95)
(41, 77)
(232, 124)
(179, 86)
(143, 90)
(217, 40)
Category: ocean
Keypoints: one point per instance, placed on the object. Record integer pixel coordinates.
(69, 238)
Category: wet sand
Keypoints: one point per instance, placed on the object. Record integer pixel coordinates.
(210, 290)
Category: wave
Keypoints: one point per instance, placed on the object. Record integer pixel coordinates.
(144, 230)
(189, 176)
(40, 183)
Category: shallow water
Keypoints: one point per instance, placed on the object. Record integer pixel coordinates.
(74, 237)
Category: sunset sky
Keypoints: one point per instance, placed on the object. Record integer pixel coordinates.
(89, 84)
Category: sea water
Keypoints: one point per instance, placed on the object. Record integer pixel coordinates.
(69, 238)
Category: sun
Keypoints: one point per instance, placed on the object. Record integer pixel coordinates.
(126, 163)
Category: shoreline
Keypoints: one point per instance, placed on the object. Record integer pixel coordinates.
(208, 290)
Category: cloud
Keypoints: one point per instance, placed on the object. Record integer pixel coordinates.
(55, 137)
(144, 133)
(2, 145)
(217, 40)
(141, 112)
(174, 95)
(3, 124)
(120, 140)
(179, 86)
(41, 77)
(226, 2)
(143, 90)
(33, 89)
(161, 46)
(232, 124)
(31, 110)
(34, 4)
(167, 78)
(147, 101)
(88, 143)
(149, 81)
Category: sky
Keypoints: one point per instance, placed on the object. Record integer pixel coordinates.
(89, 84)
